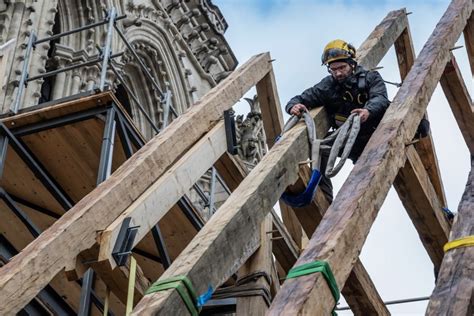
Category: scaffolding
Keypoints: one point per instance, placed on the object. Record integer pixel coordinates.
(238, 260)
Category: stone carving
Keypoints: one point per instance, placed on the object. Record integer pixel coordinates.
(250, 135)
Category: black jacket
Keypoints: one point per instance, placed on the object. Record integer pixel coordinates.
(363, 89)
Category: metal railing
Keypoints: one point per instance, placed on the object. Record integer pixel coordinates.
(104, 62)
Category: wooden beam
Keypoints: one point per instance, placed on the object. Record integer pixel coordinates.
(146, 211)
(359, 291)
(76, 230)
(423, 206)
(418, 183)
(286, 251)
(381, 39)
(454, 291)
(117, 280)
(273, 123)
(292, 224)
(459, 100)
(260, 261)
(469, 41)
(235, 223)
(405, 52)
(270, 107)
(425, 147)
(347, 222)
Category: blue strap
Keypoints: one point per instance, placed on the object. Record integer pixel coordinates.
(304, 198)
(202, 300)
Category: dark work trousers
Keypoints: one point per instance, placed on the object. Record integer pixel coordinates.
(325, 183)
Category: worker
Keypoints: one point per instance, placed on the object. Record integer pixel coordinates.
(348, 89)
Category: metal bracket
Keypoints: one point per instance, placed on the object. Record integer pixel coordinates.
(124, 244)
(230, 132)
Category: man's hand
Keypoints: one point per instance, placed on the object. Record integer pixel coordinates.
(298, 109)
(363, 114)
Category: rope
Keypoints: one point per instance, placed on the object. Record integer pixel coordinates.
(467, 241)
(315, 267)
(342, 139)
(313, 141)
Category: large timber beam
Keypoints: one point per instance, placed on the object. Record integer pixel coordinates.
(76, 231)
(283, 247)
(423, 206)
(359, 290)
(454, 291)
(418, 183)
(346, 224)
(459, 100)
(425, 146)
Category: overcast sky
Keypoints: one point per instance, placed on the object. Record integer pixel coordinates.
(295, 32)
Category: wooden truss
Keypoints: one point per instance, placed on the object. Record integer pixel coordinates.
(245, 234)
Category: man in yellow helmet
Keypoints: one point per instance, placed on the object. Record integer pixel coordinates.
(349, 89)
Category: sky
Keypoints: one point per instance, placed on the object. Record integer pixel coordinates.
(295, 33)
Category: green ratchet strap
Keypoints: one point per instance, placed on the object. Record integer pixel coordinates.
(318, 266)
(184, 287)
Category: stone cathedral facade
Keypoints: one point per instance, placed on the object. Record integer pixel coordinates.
(180, 42)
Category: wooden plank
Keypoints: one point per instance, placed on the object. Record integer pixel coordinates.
(426, 150)
(270, 107)
(260, 261)
(292, 224)
(423, 206)
(469, 41)
(177, 232)
(418, 183)
(454, 291)
(459, 100)
(41, 113)
(76, 230)
(286, 251)
(425, 147)
(347, 222)
(236, 222)
(405, 52)
(359, 290)
(381, 39)
(146, 211)
(117, 280)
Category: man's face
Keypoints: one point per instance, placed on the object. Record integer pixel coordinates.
(340, 70)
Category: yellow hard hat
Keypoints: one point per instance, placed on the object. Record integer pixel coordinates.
(337, 50)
